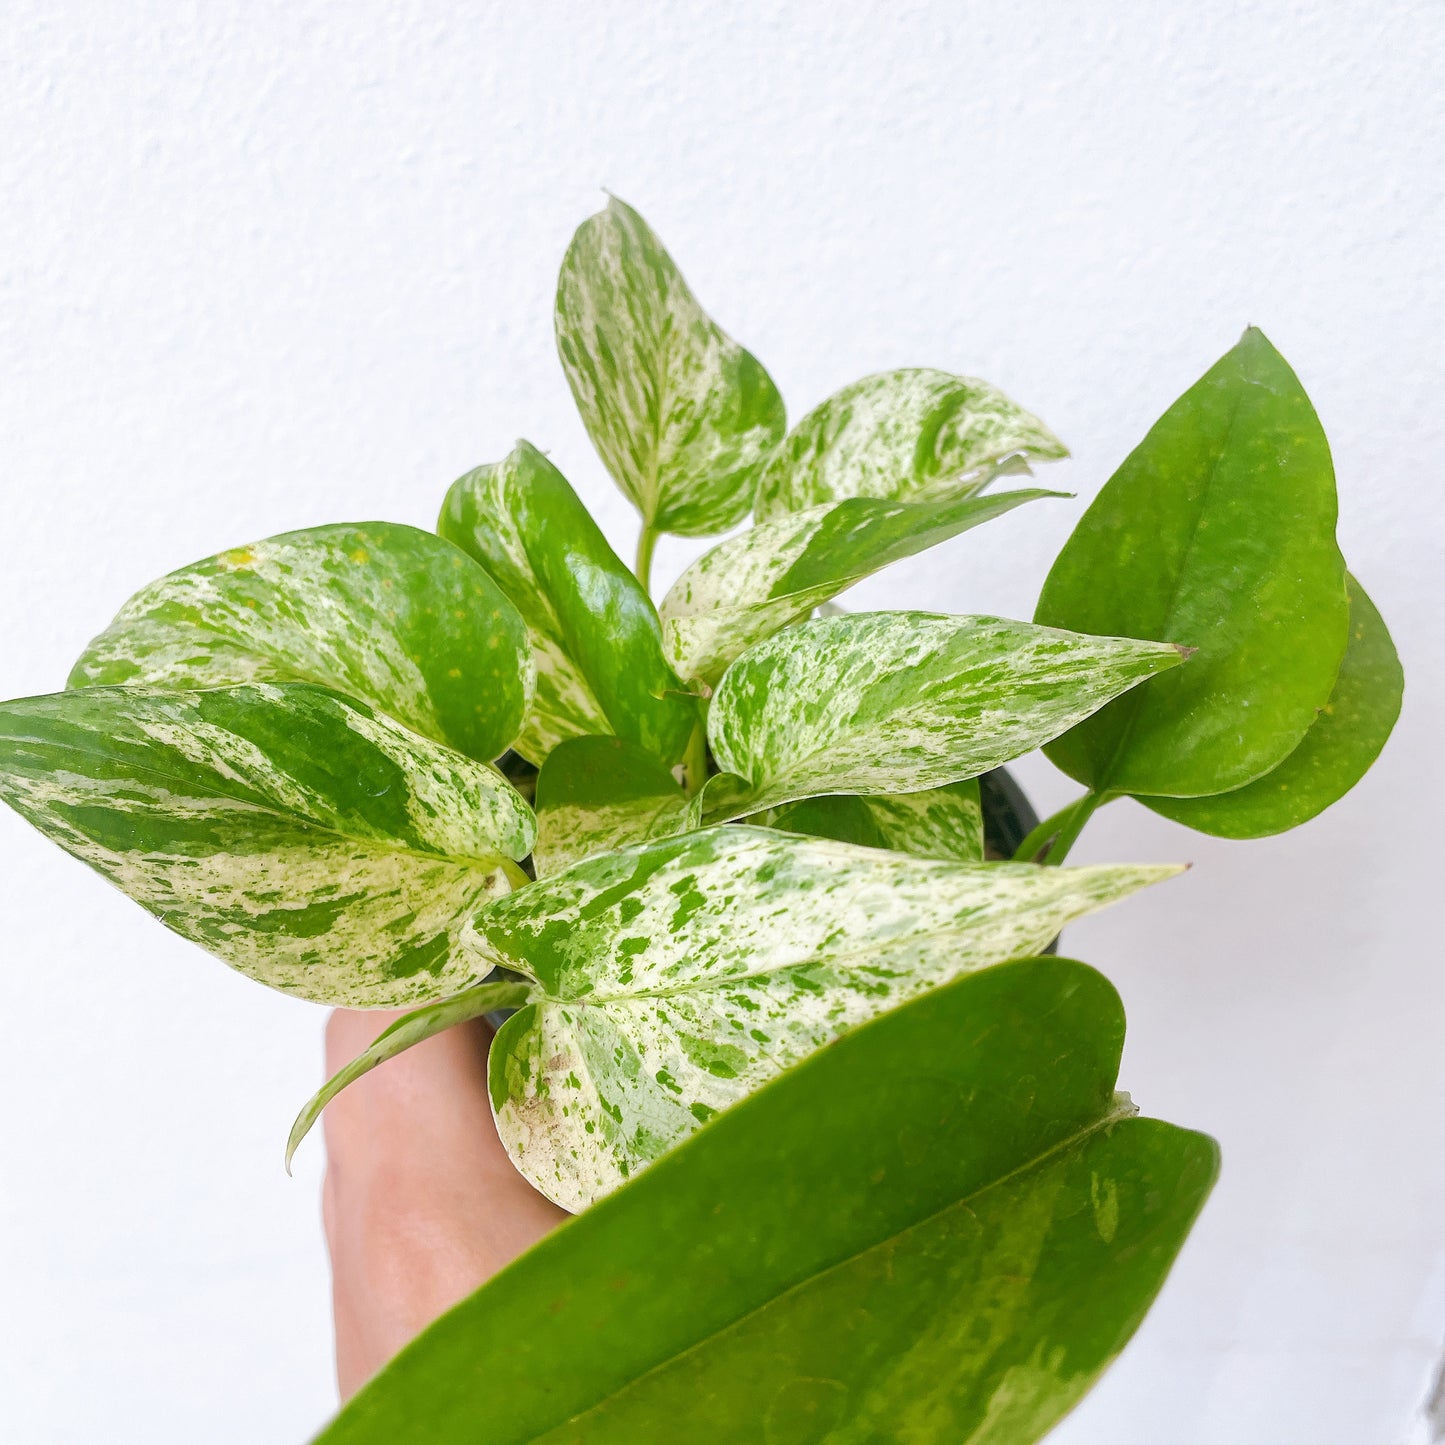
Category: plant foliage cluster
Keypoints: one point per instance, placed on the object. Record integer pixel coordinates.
(726, 831)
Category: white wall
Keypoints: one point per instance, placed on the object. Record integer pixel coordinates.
(268, 265)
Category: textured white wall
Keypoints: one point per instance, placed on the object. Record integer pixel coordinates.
(269, 265)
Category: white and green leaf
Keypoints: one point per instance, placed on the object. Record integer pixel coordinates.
(942, 822)
(595, 795)
(303, 838)
(388, 614)
(593, 630)
(776, 573)
(681, 415)
(899, 702)
(909, 435)
(674, 978)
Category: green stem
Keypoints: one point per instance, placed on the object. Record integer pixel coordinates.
(1063, 828)
(516, 876)
(694, 761)
(645, 543)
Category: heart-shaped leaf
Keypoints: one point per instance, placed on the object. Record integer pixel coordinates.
(911, 435)
(889, 702)
(682, 416)
(389, 614)
(943, 1228)
(675, 977)
(308, 841)
(593, 629)
(942, 822)
(598, 794)
(776, 573)
(1336, 752)
(1217, 532)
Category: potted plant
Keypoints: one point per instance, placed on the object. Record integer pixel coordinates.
(844, 1145)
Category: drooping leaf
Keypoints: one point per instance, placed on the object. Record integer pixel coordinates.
(943, 1228)
(776, 573)
(942, 822)
(890, 702)
(594, 631)
(410, 1029)
(681, 415)
(308, 841)
(1335, 754)
(389, 614)
(910, 435)
(1217, 532)
(675, 977)
(598, 794)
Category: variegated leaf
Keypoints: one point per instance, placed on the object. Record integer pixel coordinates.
(598, 794)
(777, 572)
(593, 629)
(909, 435)
(398, 1037)
(389, 614)
(890, 702)
(682, 416)
(942, 822)
(675, 977)
(308, 841)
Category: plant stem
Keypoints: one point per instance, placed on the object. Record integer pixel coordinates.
(517, 878)
(1063, 828)
(645, 543)
(694, 761)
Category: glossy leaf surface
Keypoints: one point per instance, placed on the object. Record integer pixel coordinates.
(891, 702)
(676, 977)
(776, 573)
(311, 843)
(909, 435)
(682, 416)
(1336, 752)
(1217, 532)
(593, 630)
(598, 794)
(940, 1229)
(388, 614)
(942, 822)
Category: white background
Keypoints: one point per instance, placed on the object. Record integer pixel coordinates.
(270, 265)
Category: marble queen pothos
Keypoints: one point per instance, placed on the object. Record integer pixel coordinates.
(727, 832)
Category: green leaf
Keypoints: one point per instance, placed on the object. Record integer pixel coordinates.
(889, 702)
(593, 630)
(412, 1028)
(1217, 532)
(1335, 754)
(912, 435)
(385, 613)
(598, 794)
(942, 822)
(776, 573)
(675, 977)
(940, 1229)
(308, 841)
(682, 416)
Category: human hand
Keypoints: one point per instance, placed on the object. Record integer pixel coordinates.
(421, 1203)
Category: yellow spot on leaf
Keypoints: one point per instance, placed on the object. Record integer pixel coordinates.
(237, 558)
(361, 555)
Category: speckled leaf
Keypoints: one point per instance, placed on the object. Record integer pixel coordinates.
(388, 614)
(1218, 532)
(942, 822)
(1336, 752)
(776, 573)
(676, 977)
(941, 1229)
(682, 416)
(410, 1029)
(593, 629)
(911, 435)
(308, 841)
(890, 702)
(598, 794)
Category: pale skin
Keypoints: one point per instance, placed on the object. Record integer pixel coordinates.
(421, 1203)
